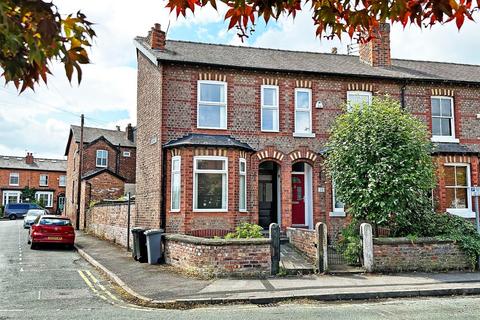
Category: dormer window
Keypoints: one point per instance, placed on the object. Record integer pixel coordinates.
(212, 105)
(443, 122)
(102, 158)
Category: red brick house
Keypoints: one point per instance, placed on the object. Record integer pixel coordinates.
(47, 177)
(229, 134)
(108, 166)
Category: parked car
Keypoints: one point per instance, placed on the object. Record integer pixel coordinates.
(19, 210)
(51, 229)
(31, 215)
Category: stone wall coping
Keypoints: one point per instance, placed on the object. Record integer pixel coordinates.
(300, 229)
(404, 240)
(113, 203)
(216, 242)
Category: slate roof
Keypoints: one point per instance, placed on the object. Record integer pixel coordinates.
(455, 148)
(90, 134)
(298, 61)
(207, 140)
(42, 164)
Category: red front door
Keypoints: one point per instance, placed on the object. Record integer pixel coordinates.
(298, 199)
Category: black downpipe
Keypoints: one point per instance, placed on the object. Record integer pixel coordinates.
(117, 160)
(163, 203)
(402, 95)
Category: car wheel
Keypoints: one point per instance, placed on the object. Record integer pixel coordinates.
(33, 246)
(12, 217)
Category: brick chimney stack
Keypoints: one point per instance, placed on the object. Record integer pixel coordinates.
(129, 131)
(157, 37)
(376, 52)
(29, 158)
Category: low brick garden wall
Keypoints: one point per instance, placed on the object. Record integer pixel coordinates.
(109, 221)
(304, 240)
(218, 257)
(422, 254)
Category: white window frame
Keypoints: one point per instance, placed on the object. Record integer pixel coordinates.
(244, 175)
(40, 180)
(336, 212)
(268, 107)
(450, 138)
(126, 154)
(64, 184)
(100, 158)
(467, 212)
(49, 194)
(224, 182)
(8, 193)
(221, 104)
(303, 134)
(173, 173)
(350, 93)
(14, 174)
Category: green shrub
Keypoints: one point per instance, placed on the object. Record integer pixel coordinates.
(349, 244)
(245, 231)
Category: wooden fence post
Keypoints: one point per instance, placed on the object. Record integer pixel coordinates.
(322, 247)
(367, 246)
(275, 247)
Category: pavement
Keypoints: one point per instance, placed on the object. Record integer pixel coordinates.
(161, 286)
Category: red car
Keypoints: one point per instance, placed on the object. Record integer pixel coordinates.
(51, 229)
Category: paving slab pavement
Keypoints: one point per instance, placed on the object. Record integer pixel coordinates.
(158, 284)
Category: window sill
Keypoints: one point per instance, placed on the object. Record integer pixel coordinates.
(174, 211)
(464, 213)
(270, 131)
(212, 128)
(445, 139)
(101, 166)
(14, 185)
(304, 135)
(338, 214)
(210, 210)
(243, 211)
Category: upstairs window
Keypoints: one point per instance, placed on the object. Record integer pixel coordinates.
(269, 115)
(102, 158)
(62, 181)
(210, 184)
(212, 105)
(358, 98)
(243, 185)
(14, 179)
(175, 192)
(443, 125)
(303, 112)
(43, 180)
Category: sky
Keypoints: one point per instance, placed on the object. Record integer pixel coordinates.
(39, 121)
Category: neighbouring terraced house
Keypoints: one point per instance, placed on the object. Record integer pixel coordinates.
(228, 134)
(107, 171)
(45, 179)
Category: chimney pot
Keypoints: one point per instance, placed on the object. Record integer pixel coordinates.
(157, 37)
(129, 132)
(376, 52)
(29, 158)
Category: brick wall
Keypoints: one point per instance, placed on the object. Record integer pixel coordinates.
(214, 257)
(109, 221)
(423, 254)
(303, 240)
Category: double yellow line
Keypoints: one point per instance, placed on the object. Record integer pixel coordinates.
(93, 282)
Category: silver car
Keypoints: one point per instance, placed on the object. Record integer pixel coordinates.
(31, 215)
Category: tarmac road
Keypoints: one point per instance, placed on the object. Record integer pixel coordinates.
(55, 283)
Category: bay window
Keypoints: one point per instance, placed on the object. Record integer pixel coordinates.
(11, 197)
(242, 185)
(269, 112)
(303, 112)
(44, 197)
(210, 183)
(212, 105)
(457, 185)
(175, 182)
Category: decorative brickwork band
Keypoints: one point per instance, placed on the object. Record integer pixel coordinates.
(443, 92)
(360, 87)
(211, 152)
(303, 84)
(270, 82)
(212, 76)
(243, 154)
(270, 154)
(457, 159)
(175, 152)
(303, 154)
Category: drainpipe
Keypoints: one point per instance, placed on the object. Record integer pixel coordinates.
(163, 203)
(402, 94)
(117, 160)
